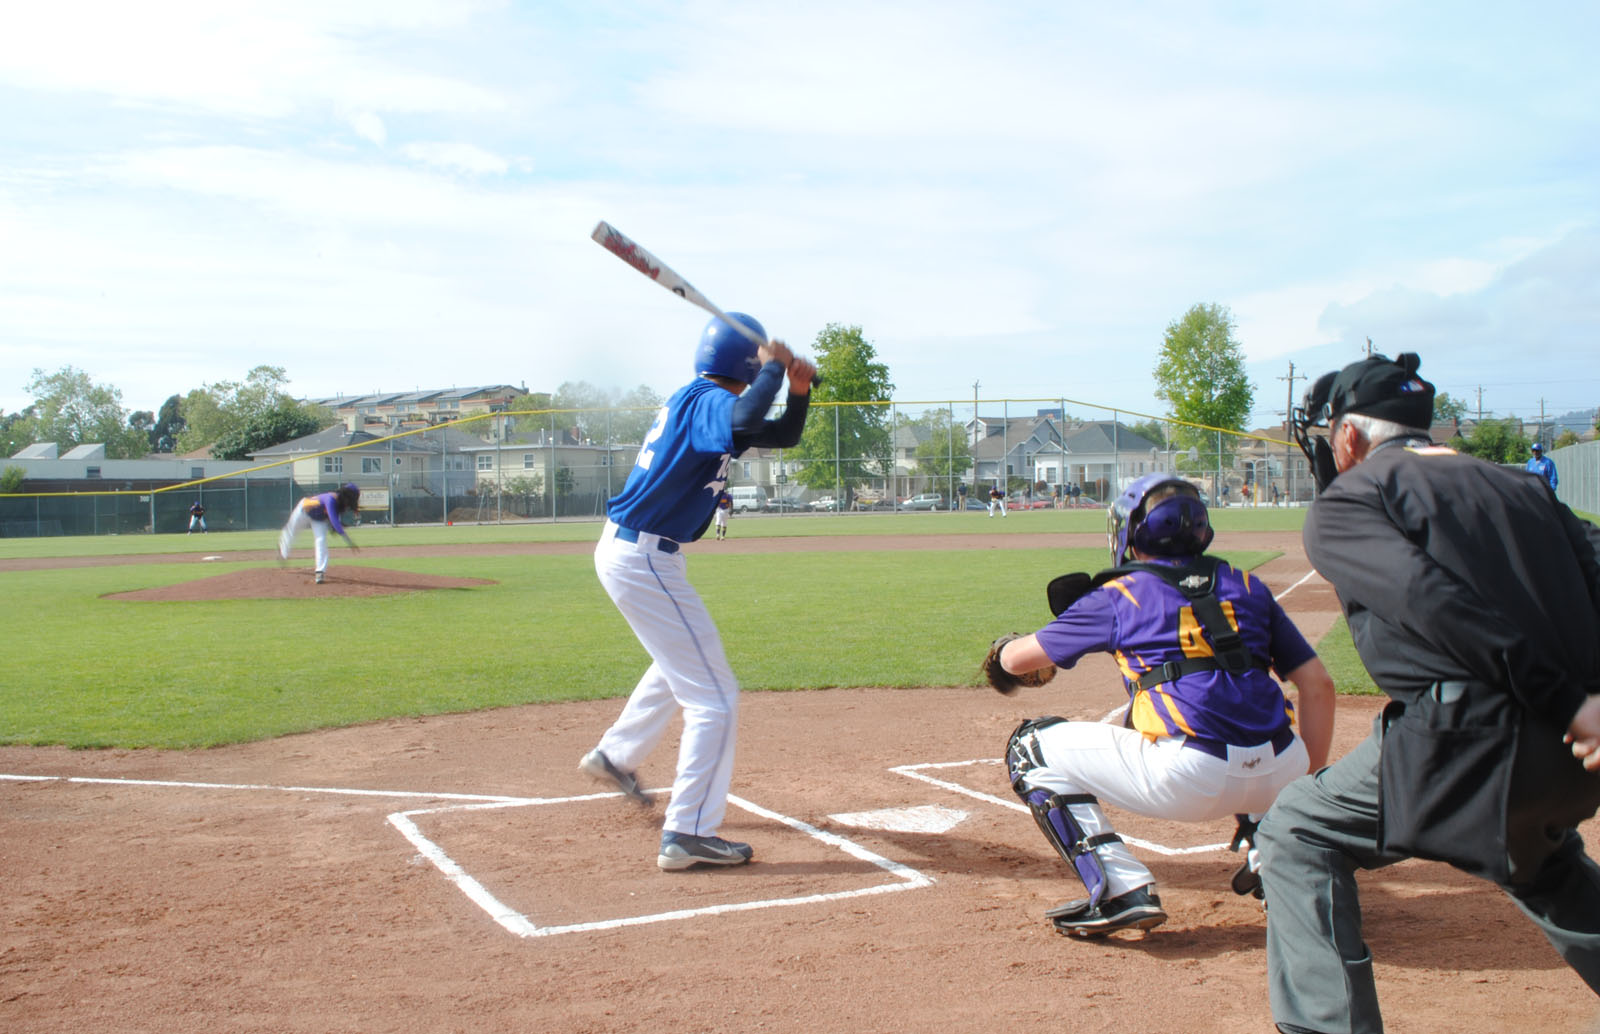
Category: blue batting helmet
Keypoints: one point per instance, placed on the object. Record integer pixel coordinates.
(1177, 525)
(726, 352)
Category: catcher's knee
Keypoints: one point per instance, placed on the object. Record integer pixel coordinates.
(1053, 813)
(1023, 753)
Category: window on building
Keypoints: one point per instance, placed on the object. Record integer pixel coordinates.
(92, 473)
(333, 464)
(747, 468)
(485, 461)
(197, 472)
(371, 465)
(528, 461)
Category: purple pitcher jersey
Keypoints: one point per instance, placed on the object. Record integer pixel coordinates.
(1144, 622)
(682, 466)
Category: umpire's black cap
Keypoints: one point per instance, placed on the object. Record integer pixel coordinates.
(1388, 389)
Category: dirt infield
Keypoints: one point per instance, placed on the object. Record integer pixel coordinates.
(292, 583)
(457, 874)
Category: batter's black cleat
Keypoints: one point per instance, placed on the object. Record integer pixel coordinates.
(597, 766)
(1138, 909)
(684, 850)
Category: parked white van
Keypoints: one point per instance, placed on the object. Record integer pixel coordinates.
(748, 497)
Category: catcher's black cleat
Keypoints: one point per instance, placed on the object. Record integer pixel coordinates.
(1138, 909)
(597, 766)
(1248, 881)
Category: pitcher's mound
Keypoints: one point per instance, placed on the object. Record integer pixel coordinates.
(287, 583)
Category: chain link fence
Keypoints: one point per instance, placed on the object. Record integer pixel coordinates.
(566, 464)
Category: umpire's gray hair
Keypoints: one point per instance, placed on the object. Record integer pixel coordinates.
(1376, 430)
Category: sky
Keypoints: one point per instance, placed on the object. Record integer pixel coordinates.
(1012, 199)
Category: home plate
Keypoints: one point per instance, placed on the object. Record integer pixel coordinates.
(929, 818)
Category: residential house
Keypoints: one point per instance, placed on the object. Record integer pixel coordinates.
(585, 473)
(386, 412)
(1099, 456)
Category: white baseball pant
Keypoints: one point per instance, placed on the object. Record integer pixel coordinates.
(319, 531)
(688, 670)
(1163, 779)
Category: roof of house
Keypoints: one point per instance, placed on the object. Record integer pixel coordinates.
(390, 398)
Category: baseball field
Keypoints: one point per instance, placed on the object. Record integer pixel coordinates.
(234, 800)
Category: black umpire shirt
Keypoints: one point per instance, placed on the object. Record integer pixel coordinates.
(1465, 581)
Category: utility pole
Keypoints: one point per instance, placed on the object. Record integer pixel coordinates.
(1480, 403)
(1288, 418)
(1540, 439)
(1369, 348)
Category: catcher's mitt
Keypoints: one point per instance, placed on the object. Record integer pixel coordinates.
(1005, 681)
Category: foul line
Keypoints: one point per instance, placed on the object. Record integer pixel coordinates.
(906, 878)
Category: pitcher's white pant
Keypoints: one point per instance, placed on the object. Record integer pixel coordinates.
(689, 670)
(1164, 780)
(319, 530)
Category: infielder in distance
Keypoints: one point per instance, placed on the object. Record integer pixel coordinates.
(997, 500)
(724, 507)
(1209, 732)
(668, 500)
(321, 514)
(197, 518)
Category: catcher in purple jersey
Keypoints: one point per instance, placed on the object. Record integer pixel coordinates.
(1208, 733)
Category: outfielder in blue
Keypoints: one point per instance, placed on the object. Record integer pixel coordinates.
(667, 501)
(1209, 732)
(1542, 465)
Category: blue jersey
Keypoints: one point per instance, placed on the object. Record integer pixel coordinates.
(1144, 622)
(682, 466)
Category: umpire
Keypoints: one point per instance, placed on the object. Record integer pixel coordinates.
(1473, 597)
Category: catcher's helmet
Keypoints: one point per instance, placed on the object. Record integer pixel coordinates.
(1178, 525)
(725, 352)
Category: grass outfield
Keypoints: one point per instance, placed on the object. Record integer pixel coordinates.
(93, 672)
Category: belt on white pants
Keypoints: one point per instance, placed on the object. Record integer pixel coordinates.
(642, 539)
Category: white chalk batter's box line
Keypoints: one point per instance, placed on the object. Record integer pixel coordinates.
(905, 878)
(918, 772)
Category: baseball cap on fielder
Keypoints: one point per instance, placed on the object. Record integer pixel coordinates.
(1388, 389)
(1537, 447)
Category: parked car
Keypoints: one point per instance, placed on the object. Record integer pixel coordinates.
(925, 501)
(974, 504)
(826, 502)
(785, 503)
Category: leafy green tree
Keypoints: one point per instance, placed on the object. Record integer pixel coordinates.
(237, 413)
(1497, 441)
(1566, 438)
(70, 410)
(1154, 430)
(15, 431)
(943, 452)
(285, 422)
(169, 424)
(1447, 408)
(846, 445)
(11, 479)
(605, 414)
(1200, 375)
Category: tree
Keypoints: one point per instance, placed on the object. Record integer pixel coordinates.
(11, 479)
(603, 415)
(1446, 409)
(238, 412)
(846, 445)
(169, 424)
(1566, 438)
(16, 431)
(1497, 441)
(1200, 375)
(70, 409)
(285, 422)
(942, 452)
(1153, 430)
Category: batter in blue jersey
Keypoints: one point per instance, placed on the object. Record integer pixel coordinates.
(668, 500)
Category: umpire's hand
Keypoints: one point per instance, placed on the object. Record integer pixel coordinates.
(1584, 733)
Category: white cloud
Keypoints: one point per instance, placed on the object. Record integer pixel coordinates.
(457, 157)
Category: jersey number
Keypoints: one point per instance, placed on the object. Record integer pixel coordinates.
(647, 451)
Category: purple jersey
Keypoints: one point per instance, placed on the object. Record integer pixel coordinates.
(1144, 622)
(324, 507)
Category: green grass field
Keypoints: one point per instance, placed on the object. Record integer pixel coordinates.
(94, 672)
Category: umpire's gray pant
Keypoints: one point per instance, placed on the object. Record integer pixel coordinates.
(1322, 828)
